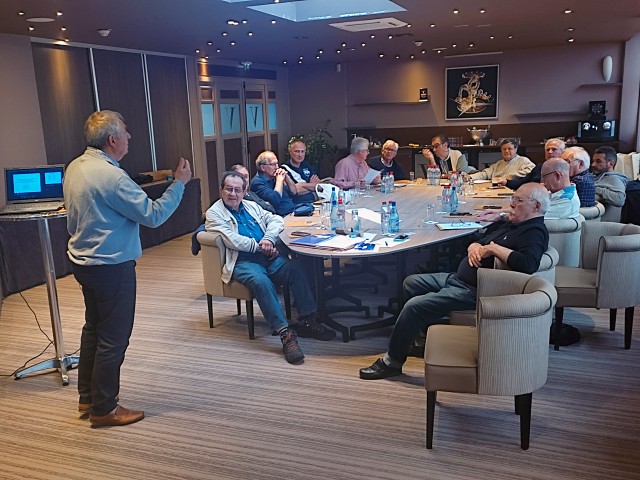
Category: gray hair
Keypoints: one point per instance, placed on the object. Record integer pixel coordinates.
(102, 124)
(390, 143)
(262, 158)
(538, 193)
(561, 144)
(233, 174)
(579, 153)
(359, 143)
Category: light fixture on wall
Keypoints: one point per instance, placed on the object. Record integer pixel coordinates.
(104, 32)
(607, 68)
(246, 64)
(338, 67)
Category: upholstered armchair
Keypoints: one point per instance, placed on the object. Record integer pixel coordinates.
(608, 277)
(564, 236)
(213, 255)
(504, 353)
(592, 214)
(547, 268)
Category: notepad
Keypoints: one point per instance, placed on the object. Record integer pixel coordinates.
(458, 226)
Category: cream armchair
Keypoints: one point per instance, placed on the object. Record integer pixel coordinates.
(592, 214)
(564, 236)
(608, 277)
(213, 255)
(505, 353)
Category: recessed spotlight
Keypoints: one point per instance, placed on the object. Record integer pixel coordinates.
(218, 50)
(408, 25)
(299, 61)
(492, 37)
(67, 40)
(397, 57)
(570, 29)
(320, 52)
(209, 43)
(232, 43)
(372, 36)
(20, 13)
(381, 55)
(273, 22)
(390, 37)
(284, 62)
(456, 11)
(224, 34)
(338, 51)
(363, 44)
(318, 57)
(63, 29)
(343, 44)
(231, 22)
(250, 34)
(31, 28)
(300, 57)
(568, 11)
(438, 51)
(412, 57)
(471, 45)
(482, 10)
(59, 13)
(510, 37)
(454, 45)
(432, 25)
(244, 22)
(423, 52)
(206, 57)
(276, 1)
(197, 50)
(571, 40)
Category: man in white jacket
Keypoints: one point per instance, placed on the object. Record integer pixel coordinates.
(250, 234)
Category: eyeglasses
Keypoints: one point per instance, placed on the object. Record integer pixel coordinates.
(390, 149)
(270, 164)
(548, 173)
(436, 145)
(517, 199)
(237, 191)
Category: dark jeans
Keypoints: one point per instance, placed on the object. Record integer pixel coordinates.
(110, 298)
(430, 298)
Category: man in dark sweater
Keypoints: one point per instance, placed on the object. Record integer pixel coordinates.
(553, 148)
(386, 163)
(518, 239)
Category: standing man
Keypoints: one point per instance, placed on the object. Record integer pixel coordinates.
(250, 234)
(354, 167)
(611, 187)
(579, 161)
(104, 210)
(553, 148)
(301, 173)
(444, 157)
(273, 184)
(386, 163)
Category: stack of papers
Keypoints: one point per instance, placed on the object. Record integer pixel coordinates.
(332, 241)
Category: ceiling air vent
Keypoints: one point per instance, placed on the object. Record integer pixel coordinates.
(367, 25)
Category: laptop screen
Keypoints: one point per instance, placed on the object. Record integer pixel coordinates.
(32, 184)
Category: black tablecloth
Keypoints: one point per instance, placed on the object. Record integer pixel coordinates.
(21, 264)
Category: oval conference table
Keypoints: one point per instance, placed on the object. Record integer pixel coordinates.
(413, 201)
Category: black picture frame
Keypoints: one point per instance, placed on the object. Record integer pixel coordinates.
(471, 92)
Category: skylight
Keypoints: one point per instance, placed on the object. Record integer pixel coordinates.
(309, 10)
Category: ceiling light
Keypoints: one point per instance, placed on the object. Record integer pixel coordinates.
(456, 11)
(318, 57)
(408, 25)
(206, 57)
(363, 44)
(300, 57)
(412, 57)
(20, 13)
(209, 43)
(273, 22)
(299, 61)
(197, 50)
(570, 29)
(338, 51)
(59, 13)
(438, 51)
(571, 40)
(510, 37)
(276, 1)
(250, 34)
(482, 10)
(492, 37)
(40, 19)
(231, 22)
(67, 40)
(244, 22)
(320, 51)
(432, 25)
(397, 57)
(63, 29)
(568, 11)
(423, 52)
(284, 62)
(31, 28)
(343, 44)
(390, 37)
(232, 43)
(471, 45)
(218, 50)
(224, 34)
(454, 45)
(381, 55)
(372, 36)
(104, 32)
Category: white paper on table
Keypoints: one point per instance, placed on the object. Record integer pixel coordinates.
(481, 181)
(371, 174)
(368, 214)
(340, 242)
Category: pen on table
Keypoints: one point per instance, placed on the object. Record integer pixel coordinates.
(386, 243)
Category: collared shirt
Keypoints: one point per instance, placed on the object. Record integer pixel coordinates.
(586, 188)
(247, 227)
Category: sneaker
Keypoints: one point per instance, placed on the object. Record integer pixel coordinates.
(290, 347)
(308, 327)
(379, 370)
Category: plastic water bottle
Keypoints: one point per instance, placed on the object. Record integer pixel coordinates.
(390, 184)
(384, 219)
(341, 213)
(334, 195)
(383, 183)
(356, 226)
(446, 196)
(453, 178)
(334, 215)
(394, 219)
(453, 201)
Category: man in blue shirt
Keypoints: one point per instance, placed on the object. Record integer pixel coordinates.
(579, 161)
(302, 174)
(273, 184)
(250, 234)
(104, 210)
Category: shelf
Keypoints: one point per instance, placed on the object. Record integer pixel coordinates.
(550, 114)
(597, 85)
(374, 104)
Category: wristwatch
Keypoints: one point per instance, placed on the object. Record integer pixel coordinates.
(503, 216)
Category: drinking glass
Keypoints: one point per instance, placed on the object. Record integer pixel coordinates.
(325, 215)
(366, 188)
(412, 176)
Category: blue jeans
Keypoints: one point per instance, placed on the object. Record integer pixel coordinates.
(110, 299)
(430, 298)
(261, 277)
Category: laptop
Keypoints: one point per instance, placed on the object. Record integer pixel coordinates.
(33, 189)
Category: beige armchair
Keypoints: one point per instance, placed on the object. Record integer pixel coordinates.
(592, 214)
(505, 353)
(213, 255)
(608, 276)
(564, 236)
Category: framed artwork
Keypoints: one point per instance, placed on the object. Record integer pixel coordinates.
(471, 93)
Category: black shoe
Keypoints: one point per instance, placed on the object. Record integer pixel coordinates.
(309, 328)
(290, 347)
(417, 351)
(379, 370)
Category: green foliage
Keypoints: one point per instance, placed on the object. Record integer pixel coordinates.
(318, 145)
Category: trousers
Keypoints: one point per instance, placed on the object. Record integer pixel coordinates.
(109, 297)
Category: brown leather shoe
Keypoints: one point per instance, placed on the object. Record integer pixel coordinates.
(119, 416)
(84, 409)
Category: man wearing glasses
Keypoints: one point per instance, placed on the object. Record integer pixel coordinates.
(250, 234)
(354, 167)
(518, 238)
(273, 184)
(385, 162)
(445, 158)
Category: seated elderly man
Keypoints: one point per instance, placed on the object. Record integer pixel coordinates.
(445, 158)
(579, 174)
(273, 184)
(511, 165)
(564, 201)
(386, 163)
(611, 186)
(519, 239)
(553, 148)
(248, 195)
(250, 234)
(354, 167)
(301, 173)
